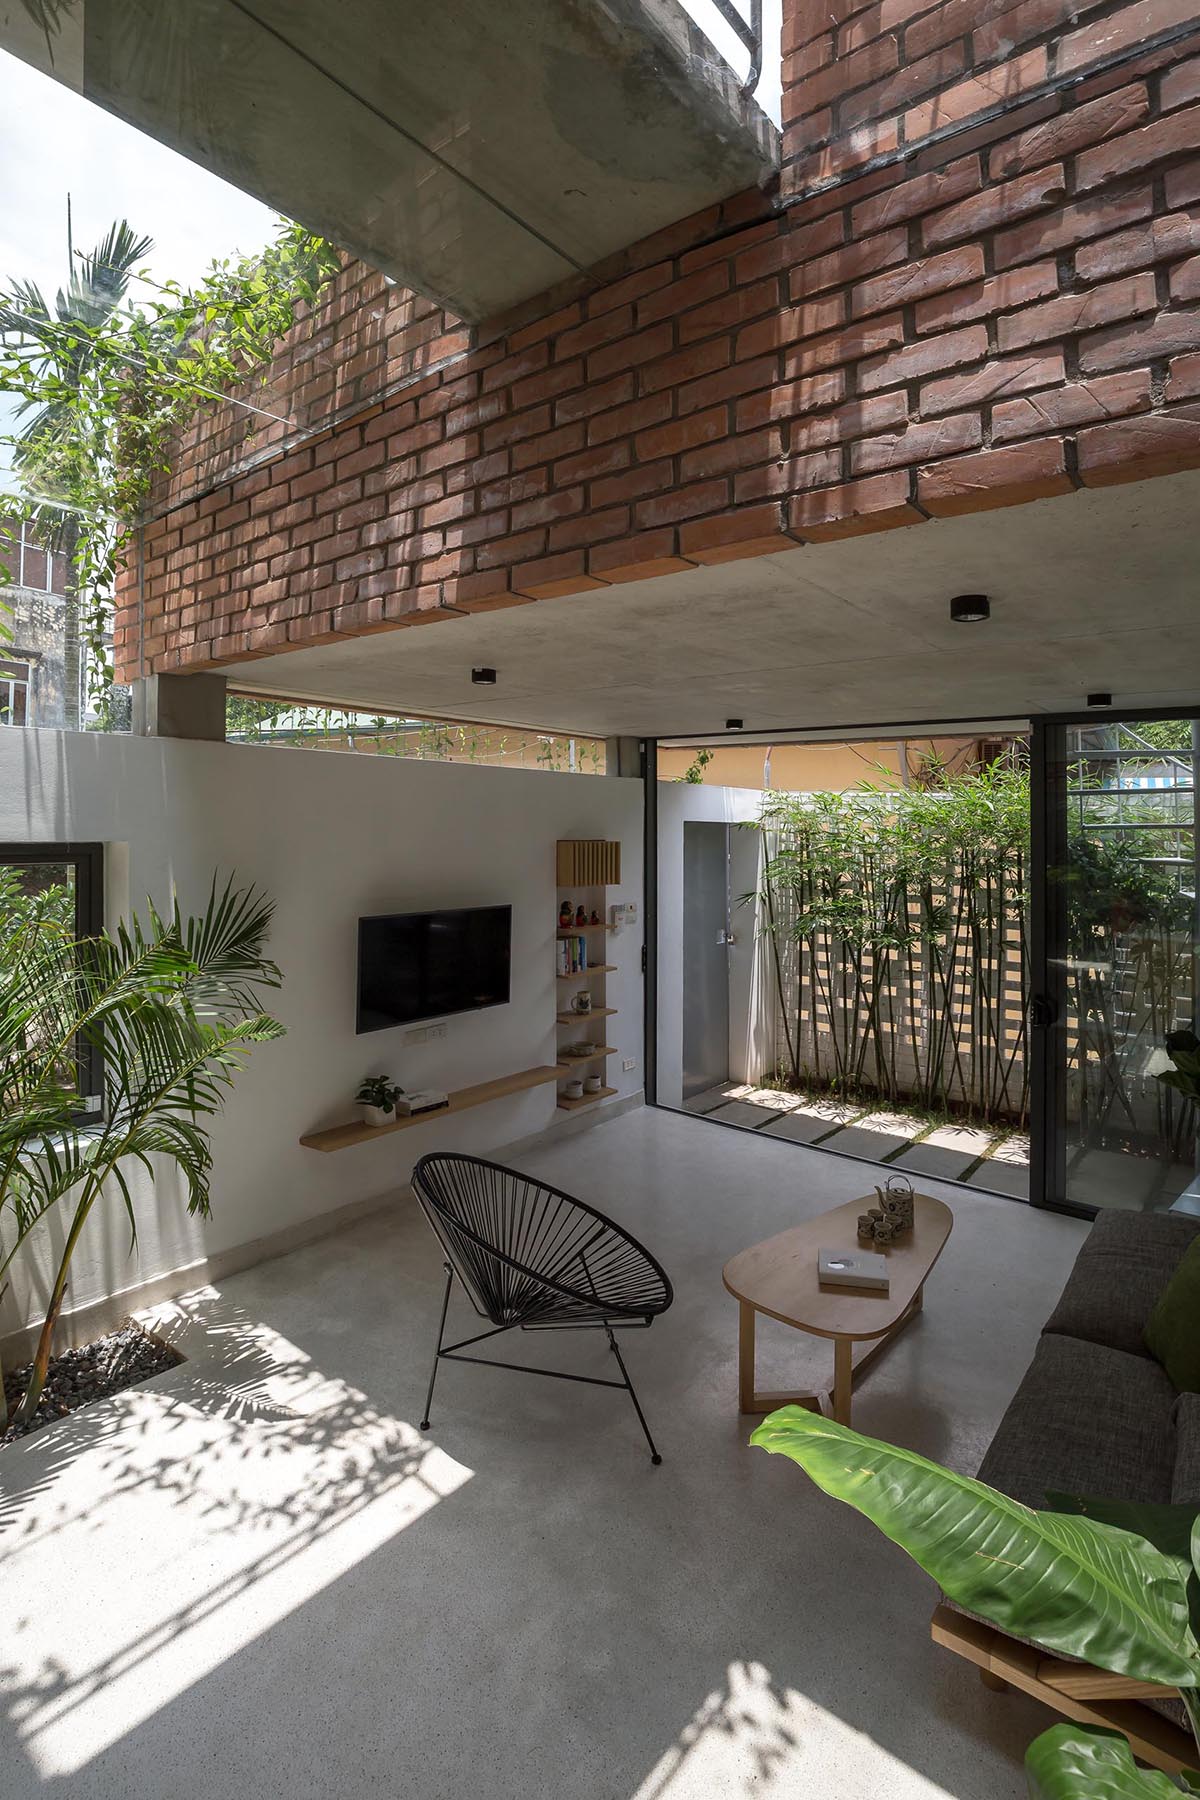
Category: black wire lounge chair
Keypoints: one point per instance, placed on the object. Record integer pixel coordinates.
(532, 1258)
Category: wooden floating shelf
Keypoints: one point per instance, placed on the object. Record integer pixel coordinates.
(340, 1137)
(604, 1093)
(565, 1061)
(595, 1012)
(574, 930)
(592, 969)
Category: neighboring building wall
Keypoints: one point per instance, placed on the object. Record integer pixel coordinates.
(329, 838)
(31, 644)
(828, 768)
(978, 287)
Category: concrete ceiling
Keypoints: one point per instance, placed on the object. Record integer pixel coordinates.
(479, 152)
(1096, 591)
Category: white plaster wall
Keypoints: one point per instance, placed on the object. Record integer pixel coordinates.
(330, 837)
(751, 1037)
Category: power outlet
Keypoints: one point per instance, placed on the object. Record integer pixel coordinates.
(424, 1034)
(628, 1063)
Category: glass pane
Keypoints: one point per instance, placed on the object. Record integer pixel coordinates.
(43, 891)
(843, 947)
(1129, 903)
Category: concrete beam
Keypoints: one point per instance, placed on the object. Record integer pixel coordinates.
(180, 706)
(479, 153)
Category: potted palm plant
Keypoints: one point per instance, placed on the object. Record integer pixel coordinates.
(171, 1007)
(377, 1099)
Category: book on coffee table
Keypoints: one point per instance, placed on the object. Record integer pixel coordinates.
(853, 1268)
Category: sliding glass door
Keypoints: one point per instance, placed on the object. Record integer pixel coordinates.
(1115, 960)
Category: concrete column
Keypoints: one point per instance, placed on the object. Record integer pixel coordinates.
(180, 706)
(623, 756)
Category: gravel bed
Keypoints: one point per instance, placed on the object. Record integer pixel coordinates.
(93, 1372)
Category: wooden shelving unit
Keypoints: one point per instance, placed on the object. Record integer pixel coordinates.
(341, 1137)
(566, 1061)
(604, 1093)
(586, 868)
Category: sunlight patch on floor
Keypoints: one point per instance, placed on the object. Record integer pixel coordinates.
(755, 1735)
(190, 1517)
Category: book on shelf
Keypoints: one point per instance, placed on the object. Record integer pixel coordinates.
(572, 955)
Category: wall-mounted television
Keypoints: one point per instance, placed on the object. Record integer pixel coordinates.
(424, 965)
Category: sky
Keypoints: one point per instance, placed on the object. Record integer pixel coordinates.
(53, 142)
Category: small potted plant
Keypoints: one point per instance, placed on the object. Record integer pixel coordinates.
(377, 1100)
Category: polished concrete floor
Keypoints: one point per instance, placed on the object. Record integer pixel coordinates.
(254, 1576)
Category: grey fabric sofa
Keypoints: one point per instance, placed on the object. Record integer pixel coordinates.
(1095, 1415)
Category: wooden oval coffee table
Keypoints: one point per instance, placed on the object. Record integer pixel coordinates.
(779, 1278)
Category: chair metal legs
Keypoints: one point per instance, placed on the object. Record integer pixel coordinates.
(438, 1352)
(612, 1344)
(453, 1353)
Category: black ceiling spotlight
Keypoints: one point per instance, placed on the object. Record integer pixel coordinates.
(1100, 700)
(970, 609)
(483, 677)
(733, 724)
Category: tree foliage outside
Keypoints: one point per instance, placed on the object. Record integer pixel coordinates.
(898, 943)
(104, 386)
(172, 1008)
(257, 721)
(44, 354)
(897, 927)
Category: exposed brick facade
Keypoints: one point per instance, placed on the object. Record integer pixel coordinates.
(978, 285)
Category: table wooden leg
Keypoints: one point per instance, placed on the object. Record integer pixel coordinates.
(843, 1378)
(745, 1357)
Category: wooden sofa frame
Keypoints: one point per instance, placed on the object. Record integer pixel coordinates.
(1074, 1689)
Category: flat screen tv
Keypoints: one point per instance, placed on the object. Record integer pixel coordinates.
(425, 965)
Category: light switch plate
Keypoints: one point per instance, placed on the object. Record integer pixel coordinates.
(628, 1063)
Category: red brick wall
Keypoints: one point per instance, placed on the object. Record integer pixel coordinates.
(980, 287)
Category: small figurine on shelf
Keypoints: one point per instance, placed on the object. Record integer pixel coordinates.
(564, 916)
(595, 918)
(581, 915)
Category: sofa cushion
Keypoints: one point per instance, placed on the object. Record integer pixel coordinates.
(1126, 1261)
(1173, 1328)
(1185, 1481)
(1086, 1419)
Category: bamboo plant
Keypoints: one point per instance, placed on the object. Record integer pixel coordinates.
(1110, 1586)
(172, 1009)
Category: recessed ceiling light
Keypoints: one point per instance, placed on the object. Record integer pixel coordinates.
(484, 677)
(1101, 700)
(733, 724)
(970, 609)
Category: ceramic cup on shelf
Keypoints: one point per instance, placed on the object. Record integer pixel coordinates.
(592, 1085)
(582, 1003)
(573, 1090)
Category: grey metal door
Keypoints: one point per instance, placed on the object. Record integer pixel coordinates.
(705, 957)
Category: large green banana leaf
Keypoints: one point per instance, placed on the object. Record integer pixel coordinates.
(1072, 1585)
(1172, 1529)
(1069, 1763)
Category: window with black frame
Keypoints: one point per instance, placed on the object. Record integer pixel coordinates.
(63, 883)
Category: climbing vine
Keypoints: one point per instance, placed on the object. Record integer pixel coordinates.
(116, 391)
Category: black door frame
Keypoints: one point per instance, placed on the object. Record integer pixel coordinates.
(1047, 925)
(1048, 942)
